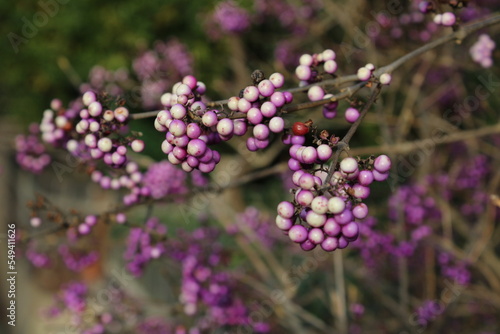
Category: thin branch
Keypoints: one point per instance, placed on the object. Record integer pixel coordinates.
(340, 293)
(343, 144)
(146, 114)
(337, 82)
(458, 35)
(423, 144)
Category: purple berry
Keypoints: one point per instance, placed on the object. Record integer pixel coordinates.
(351, 115)
(254, 116)
(284, 224)
(266, 88)
(286, 209)
(278, 99)
(331, 227)
(320, 204)
(251, 93)
(298, 233)
(277, 79)
(315, 93)
(315, 220)
(316, 235)
(261, 131)
(196, 147)
(329, 244)
(276, 124)
(225, 127)
(350, 230)
(360, 211)
(348, 165)
(307, 245)
(209, 119)
(304, 197)
(324, 152)
(365, 177)
(268, 109)
(382, 163)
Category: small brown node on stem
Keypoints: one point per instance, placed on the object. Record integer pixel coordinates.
(324, 135)
(334, 140)
(257, 76)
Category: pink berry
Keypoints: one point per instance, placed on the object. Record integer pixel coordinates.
(276, 124)
(364, 74)
(225, 127)
(351, 115)
(298, 233)
(382, 163)
(286, 209)
(315, 93)
(137, 145)
(277, 79)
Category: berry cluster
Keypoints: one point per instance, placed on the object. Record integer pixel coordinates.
(101, 79)
(189, 127)
(313, 68)
(481, 51)
(446, 19)
(324, 212)
(37, 258)
(159, 68)
(261, 226)
(260, 104)
(208, 290)
(73, 250)
(56, 123)
(144, 245)
(121, 313)
(30, 152)
(229, 18)
(98, 124)
(72, 297)
(77, 260)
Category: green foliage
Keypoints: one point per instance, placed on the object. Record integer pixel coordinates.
(79, 35)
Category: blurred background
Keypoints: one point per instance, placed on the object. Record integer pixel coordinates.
(138, 50)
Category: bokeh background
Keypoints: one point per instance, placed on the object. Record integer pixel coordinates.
(106, 45)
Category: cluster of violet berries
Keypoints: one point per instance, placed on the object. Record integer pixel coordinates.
(30, 152)
(120, 313)
(446, 19)
(325, 212)
(144, 245)
(77, 260)
(481, 51)
(261, 105)
(186, 140)
(261, 225)
(207, 287)
(159, 68)
(313, 68)
(191, 127)
(96, 125)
